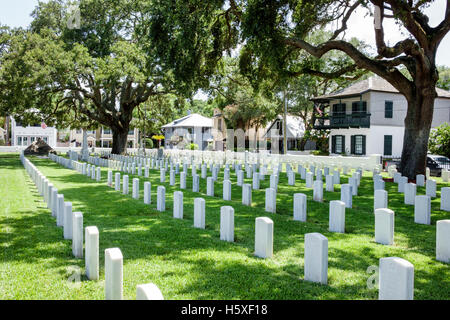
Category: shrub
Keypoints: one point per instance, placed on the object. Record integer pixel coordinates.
(2, 142)
(439, 141)
(149, 143)
(192, 146)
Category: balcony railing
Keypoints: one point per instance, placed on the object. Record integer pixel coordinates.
(342, 121)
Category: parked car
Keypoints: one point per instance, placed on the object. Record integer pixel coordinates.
(436, 163)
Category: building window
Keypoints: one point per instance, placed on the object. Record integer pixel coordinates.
(106, 131)
(359, 107)
(78, 131)
(46, 139)
(358, 145)
(19, 141)
(25, 141)
(388, 145)
(388, 109)
(131, 132)
(32, 139)
(339, 144)
(339, 109)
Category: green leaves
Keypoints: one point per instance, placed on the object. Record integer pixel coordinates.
(439, 142)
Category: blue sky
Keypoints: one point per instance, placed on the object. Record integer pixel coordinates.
(16, 13)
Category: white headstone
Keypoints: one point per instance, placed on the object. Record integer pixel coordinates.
(443, 241)
(420, 180)
(384, 226)
(68, 219)
(199, 213)
(354, 183)
(92, 255)
(77, 235)
(410, 193)
(402, 182)
(291, 178)
(60, 210)
(336, 177)
(117, 181)
(316, 258)
(113, 274)
(271, 200)
(227, 223)
(422, 210)
(264, 237)
(148, 291)
(110, 178)
(183, 180)
(227, 190)
(178, 205)
(54, 201)
(396, 279)
(431, 188)
(300, 203)
(161, 199)
(445, 199)
(329, 183)
(309, 180)
(256, 181)
(274, 181)
(247, 194)
(125, 184)
(240, 177)
(337, 216)
(147, 192)
(172, 177)
(195, 183)
(318, 191)
(380, 199)
(346, 195)
(136, 188)
(210, 187)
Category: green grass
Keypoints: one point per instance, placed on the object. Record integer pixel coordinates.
(189, 263)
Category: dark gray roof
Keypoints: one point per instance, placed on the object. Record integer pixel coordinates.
(374, 83)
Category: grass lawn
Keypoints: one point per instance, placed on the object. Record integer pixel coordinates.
(189, 263)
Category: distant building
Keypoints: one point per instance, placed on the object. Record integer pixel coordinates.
(220, 130)
(295, 129)
(193, 128)
(102, 137)
(368, 117)
(23, 136)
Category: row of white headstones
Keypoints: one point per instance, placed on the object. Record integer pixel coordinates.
(72, 224)
(316, 259)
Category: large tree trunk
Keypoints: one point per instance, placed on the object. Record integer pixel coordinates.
(120, 138)
(417, 131)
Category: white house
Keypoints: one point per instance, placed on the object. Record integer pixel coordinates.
(295, 129)
(24, 136)
(368, 117)
(193, 128)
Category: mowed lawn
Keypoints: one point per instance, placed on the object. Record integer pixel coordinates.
(189, 263)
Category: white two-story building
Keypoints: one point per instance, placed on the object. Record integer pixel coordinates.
(23, 136)
(368, 117)
(193, 128)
